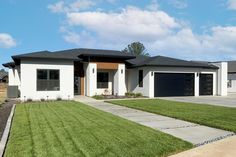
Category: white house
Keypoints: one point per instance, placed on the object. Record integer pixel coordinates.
(63, 74)
(232, 77)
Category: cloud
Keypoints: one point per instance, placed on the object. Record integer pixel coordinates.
(6, 41)
(218, 44)
(57, 7)
(179, 4)
(160, 33)
(130, 23)
(62, 6)
(231, 4)
(153, 5)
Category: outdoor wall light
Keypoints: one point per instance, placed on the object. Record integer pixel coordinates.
(121, 71)
(152, 73)
(93, 70)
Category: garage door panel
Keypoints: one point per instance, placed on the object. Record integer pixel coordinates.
(206, 84)
(173, 84)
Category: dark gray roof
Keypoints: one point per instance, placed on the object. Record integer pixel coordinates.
(162, 61)
(131, 60)
(3, 74)
(9, 64)
(46, 55)
(232, 66)
(74, 54)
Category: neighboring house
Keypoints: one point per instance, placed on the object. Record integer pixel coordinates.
(3, 76)
(49, 75)
(232, 76)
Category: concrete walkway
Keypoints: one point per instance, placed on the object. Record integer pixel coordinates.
(222, 148)
(193, 133)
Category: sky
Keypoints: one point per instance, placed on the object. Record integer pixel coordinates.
(185, 29)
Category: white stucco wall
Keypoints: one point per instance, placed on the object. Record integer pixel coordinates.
(90, 79)
(14, 76)
(116, 84)
(222, 78)
(148, 78)
(232, 77)
(119, 81)
(29, 79)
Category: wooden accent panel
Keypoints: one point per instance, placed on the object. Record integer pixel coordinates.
(82, 85)
(105, 65)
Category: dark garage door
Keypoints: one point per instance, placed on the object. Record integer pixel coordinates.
(206, 84)
(173, 84)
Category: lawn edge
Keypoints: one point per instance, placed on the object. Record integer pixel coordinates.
(6, 132)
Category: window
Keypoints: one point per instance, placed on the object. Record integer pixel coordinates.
(102, 80)
(48, 80)
(229, 83)
(140, 78)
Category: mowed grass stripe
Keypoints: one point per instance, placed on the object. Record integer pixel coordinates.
(90, 137)
(209, 115)
(74, 129)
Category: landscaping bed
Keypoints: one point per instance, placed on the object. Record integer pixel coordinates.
(209, 115)
(5, 110)
(68, 128)
(127, 95)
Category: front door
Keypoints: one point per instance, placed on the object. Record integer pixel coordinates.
(77, 90)
(78, 79)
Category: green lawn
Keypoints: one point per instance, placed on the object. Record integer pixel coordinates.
(214, 116)
(74, 129)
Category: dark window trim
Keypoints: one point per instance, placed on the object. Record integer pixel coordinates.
(140, 78)
(102, 84)
(48, 81)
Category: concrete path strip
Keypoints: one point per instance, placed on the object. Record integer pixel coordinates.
(193, 133)
(6, 132)
(222, 148)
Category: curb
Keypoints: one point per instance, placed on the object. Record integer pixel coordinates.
(6, 132)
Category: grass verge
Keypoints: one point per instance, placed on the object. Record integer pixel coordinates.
(213, 116)
(74, 129)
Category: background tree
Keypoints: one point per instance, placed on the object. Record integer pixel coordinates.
(136, 48)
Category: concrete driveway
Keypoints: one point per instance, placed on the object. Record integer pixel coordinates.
(227, 101)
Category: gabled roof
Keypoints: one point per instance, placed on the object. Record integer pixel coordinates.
(162, 61)
(232, 66)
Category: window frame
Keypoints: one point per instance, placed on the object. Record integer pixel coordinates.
(99, 85)
(48, 81)
(229, 83)
(140, 78)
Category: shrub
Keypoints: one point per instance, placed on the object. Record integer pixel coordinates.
(98, 97)
(42, 99)
(129, 94)
(138, 94)
(29, 100)
(59, 98)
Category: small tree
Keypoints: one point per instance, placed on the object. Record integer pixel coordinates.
(136, 48)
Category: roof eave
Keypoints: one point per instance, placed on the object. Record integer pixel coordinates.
(126, 57)
(145, 65)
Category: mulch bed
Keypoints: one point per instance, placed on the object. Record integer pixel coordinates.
(119, 97)
(5, 110)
